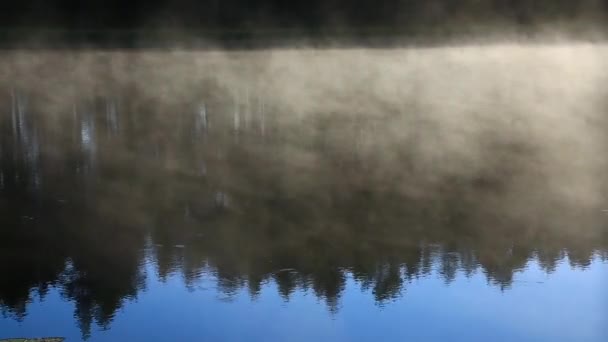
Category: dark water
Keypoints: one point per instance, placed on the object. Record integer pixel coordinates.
(135, 215)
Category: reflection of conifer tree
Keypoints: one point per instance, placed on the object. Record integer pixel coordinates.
(254, 285)
(548, 259)
(328, 283)
(97, 293)
(286, 282)
(193, 264)
(412, 269)
(229, 284)
(84, 318)
(468, 262)
(165, 262)
(363, 271)
(449, 264)
(580, 257)
(500, 264)
(388, 283)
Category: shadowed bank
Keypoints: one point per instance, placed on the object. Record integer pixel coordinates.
(271, 23)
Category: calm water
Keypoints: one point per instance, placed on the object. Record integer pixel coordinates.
(303, 196)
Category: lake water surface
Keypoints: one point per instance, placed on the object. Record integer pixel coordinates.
(305, 195)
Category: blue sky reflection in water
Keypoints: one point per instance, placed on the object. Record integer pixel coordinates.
(568, 305)
(305, 195)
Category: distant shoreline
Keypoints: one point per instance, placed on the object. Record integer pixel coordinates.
(374, 37)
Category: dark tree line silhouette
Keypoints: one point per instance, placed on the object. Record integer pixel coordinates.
(96, 14)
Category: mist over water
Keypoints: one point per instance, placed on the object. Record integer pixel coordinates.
(297, 171)
(529, 118)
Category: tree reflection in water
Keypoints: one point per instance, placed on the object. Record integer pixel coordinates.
(99, 179)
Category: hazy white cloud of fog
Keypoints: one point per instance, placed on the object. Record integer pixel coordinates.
(532, 115)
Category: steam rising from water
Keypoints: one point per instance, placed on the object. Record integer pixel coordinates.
(519, 129)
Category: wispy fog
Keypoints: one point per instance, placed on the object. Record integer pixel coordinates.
(519, 129)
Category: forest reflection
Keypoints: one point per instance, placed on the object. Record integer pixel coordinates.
(95, 183)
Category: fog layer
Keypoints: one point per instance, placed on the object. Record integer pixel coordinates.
(518, 129)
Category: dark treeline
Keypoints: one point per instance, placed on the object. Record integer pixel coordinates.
(318, 14)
